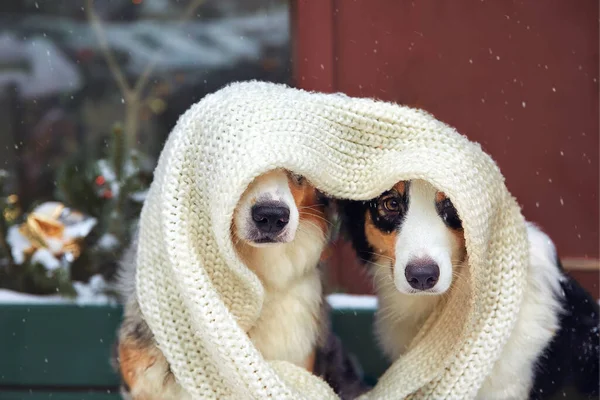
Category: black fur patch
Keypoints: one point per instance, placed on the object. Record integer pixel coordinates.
(571, 362)
(339, 369)
(353, 217)
(448, 213)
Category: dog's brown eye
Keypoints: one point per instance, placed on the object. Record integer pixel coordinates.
(391, 204)
(387, 211)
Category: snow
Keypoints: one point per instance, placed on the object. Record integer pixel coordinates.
(156, 6)
(232, 42)
(176, 50)
(76, 225)
(108, 241)
(18, 244)
(169, 45)
(80, 229)
(54, 245)
(46, 258)
(139, 196)
(48, 70)
(11, 297)
(91, 293)
(341, 301)
(47, 208)
(106, 171)
(109, 175)
(130, 169)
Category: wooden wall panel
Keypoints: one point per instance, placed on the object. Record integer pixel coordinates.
(520, 77)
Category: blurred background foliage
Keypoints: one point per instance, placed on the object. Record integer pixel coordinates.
(89, 91)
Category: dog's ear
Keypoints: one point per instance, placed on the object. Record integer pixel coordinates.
(322, 198)
(331, 214)
(352, 216)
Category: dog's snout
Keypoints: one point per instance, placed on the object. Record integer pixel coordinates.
(271, 217)
(422, 274)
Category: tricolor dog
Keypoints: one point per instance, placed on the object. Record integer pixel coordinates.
(411, 237)
(279, 230)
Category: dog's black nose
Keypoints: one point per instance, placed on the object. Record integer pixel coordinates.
(270, 218)
(422, 274)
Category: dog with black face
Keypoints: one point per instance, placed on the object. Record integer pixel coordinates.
(412, 240)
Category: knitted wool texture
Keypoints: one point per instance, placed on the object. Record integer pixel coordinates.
(200, 300)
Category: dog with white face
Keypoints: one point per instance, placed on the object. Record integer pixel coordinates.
(430, 242)
(412, 239)
(279, 230)
(268, 213)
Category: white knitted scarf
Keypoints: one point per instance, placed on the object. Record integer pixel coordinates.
(200, 300)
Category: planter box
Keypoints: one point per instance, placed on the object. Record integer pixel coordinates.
(62, 351)
(57, 350)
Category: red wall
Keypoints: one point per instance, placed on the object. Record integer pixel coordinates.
(520, 77)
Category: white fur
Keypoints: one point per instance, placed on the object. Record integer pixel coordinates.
(272, 186)
(288, 326)
(424, 235)
(402, 314)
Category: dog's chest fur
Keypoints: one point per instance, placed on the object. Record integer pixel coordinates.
(401, 316)
(289, 323)
(288, 327)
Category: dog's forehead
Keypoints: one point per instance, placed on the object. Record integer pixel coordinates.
(403, 187)
(270, 181)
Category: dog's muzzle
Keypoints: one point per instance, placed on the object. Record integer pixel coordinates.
(269, 220)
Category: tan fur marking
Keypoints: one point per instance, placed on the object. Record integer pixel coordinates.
(440, 196)
(383, 243)
(133, 361)
(459, 234)
(305, 197)
(310, 210)
(310, 361)
(400, 187)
